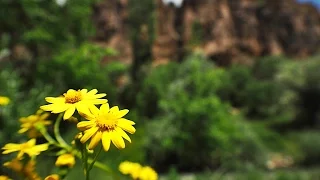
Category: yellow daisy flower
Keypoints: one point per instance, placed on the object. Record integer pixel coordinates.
(4, 100)
(147, 173)
(52, 177)
(80, 100)
(65, 160)
(29, 148)
(106, 124)
(29, 123)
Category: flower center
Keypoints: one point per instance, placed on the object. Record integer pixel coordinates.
(106, 124)
(72, 96)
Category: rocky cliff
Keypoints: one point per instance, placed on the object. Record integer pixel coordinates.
(228, 31)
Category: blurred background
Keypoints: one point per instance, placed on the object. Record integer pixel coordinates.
(219, 89)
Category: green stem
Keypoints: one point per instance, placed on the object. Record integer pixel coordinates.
(101, 166)
(94, 159)
(45, 134)
(96, 164)
(57, 134)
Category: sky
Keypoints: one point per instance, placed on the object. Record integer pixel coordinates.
(314, 2)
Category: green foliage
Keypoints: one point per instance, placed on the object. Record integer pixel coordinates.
(303, 79)
(44, 25)
(309, 143)
(258, 92)
(193, 127)
(82, 68)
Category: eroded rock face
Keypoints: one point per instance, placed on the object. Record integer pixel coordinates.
(110, 18)
(230, 31)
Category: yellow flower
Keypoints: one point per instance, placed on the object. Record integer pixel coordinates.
(130, 168)
(147, 173)
(14, 164)
(29, 148)
(52, 177)
(72, 100)
(66, 160)
(107, 125)
(2, 177)
(4, 100)
(29, 171)
(29, 123)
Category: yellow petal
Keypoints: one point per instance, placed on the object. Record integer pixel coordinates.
(126, 121)
(48, 107)
(95, 140)
(94, 110)
(44, 116)
(121, 113)
(98, 101)
(129, 128)
(123, 134)
(55, 99)
(117, 140)
(84, 91)
(97, 96)
(31, 142)
(7, 151)
(84, 125)
(88, 134)
(40, 147)
(114, 109)
(106, 140)
(92, 92)
(69, 112)
(58, 108)
(23, 130)
(104, 108)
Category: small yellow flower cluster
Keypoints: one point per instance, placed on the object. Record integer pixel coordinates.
(136, 171)
(26, 170)
(31, 123)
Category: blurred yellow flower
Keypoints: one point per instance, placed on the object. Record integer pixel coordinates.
(2, 177)
(147, 173)
(29, 171)
(80, 100)
(29, 148)
(4, 100)
(66, 160)
(14, 164)
(29, 123)
(130, 168)
(107, 125)
(52, 177)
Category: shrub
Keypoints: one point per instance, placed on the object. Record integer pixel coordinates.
(191, 126)
(82, 68)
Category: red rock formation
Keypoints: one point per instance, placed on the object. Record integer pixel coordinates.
(233, 30)
(110, 18)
